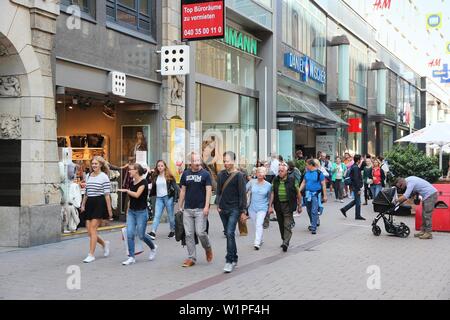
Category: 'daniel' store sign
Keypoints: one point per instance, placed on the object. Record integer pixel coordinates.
(306, 67)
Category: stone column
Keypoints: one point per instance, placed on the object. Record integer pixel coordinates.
(174, 87)
(28, 30)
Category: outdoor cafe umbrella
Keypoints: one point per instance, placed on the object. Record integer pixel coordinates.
(437, 134)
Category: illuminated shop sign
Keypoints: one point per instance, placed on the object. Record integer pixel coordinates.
(306, 67)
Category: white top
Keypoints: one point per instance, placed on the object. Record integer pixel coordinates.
(161, 187)
(98, 186)
(274, 166)
(339, 172)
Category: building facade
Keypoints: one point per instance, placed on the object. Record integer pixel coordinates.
(229, 91)
(29, 200)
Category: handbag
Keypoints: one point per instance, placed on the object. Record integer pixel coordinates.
(243, 231)
(212, 200)
(369, 181)
(266, 221)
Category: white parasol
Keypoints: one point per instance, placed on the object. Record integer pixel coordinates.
(437, 134)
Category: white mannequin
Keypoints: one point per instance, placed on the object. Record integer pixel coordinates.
(71, 192)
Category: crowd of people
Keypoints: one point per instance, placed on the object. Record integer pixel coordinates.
(273, 188)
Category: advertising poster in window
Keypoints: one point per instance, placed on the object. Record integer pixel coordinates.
(326, 144)
(177, 148)
(202, 19)
(135, 139)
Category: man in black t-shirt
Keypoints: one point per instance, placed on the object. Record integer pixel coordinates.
(194, 202)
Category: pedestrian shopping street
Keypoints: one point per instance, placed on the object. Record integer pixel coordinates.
(336, 263)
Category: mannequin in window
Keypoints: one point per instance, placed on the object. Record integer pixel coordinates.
(141, 143)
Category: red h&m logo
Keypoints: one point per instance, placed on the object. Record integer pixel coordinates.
(382, 4)
(434, 63)
(354, 125)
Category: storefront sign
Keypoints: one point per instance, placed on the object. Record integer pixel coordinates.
(442, 74)
(326, 144)
(242, 41)
(434, 63)
(202, 19)
(177, 147)
(434, 21)
(354, 125)
(306, 67)
(382, 4)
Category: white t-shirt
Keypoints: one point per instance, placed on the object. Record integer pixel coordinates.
(274, 166)
(161, 187)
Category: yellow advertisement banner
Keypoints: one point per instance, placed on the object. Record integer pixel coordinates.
(434, 20)
(177, 147)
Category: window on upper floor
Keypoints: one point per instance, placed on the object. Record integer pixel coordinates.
(86, 6)
(134, 14)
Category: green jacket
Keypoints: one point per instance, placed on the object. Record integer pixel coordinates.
(334, 171)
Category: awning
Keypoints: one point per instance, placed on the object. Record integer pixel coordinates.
(309, 109)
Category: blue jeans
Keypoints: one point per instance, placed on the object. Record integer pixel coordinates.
(229, 220)
(313, 211)
(375, 188)
(137, 222)
(161, 203)
(355, 202)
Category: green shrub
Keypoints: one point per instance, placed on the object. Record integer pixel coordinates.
(405, 161)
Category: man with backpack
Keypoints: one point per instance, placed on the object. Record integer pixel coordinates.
(314, 186)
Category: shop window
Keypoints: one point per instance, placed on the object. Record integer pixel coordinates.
(10, 163)
(86, 6)
(133, 14)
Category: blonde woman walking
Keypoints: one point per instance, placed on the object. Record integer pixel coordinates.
(96, 204)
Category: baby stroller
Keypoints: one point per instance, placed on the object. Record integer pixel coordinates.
(384, 204)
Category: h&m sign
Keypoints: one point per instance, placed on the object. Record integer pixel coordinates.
(306, 67)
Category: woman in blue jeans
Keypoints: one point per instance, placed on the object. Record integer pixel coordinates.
(166, 190)
(137, 213)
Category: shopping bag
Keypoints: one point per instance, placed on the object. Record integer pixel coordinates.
(138, 245)
(266, 221)
(243, 227)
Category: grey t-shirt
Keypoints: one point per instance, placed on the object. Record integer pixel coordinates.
(420, 186)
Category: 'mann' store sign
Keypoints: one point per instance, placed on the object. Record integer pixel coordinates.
(241, 41)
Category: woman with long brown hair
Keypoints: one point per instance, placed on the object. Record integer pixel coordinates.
(96, 204)
(137, 216)
(166, 190)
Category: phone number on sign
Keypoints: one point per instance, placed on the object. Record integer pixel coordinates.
(213, 31)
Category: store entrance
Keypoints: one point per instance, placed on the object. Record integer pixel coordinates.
(118, 130)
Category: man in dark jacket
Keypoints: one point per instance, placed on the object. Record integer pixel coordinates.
(286, 199)
(356, 184)
(231, 204)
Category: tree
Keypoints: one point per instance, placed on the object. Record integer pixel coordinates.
(405, 161)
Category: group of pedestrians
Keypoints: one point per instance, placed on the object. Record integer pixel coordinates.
(238, 197)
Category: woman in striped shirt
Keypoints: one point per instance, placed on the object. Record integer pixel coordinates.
(96, 204)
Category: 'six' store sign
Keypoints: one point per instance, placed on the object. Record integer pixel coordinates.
(202, 19)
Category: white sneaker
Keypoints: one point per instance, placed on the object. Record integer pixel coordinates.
(152, 255)
(106, 249)
(341, 201)
(129, 261)
(89, 259)
(228, 267)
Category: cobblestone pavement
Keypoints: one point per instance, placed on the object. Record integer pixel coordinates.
(337, 263)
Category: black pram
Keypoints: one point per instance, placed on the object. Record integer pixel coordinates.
(384, 204)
